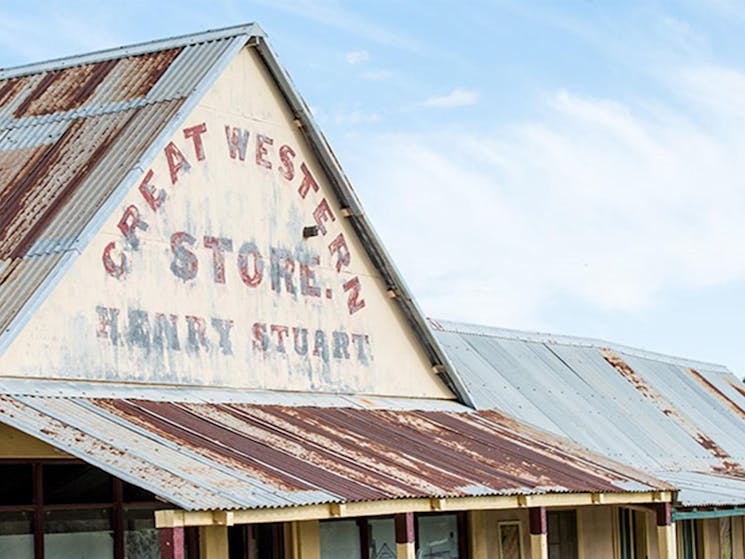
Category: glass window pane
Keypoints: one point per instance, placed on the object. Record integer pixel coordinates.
(382, 538)
(438, 536)
(78, 534)
(340, 539)
(16, 535)
(16, 484)
(141, 537)
(75, 483)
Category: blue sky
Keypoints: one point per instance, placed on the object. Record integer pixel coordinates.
(575, 167)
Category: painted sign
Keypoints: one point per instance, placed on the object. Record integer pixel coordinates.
(230, 263)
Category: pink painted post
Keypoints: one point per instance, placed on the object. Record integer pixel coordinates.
(172, 543)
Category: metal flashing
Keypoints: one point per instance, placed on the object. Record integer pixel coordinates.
(248, 30)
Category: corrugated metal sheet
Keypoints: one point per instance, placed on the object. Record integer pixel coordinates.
(76, 132)
(665, 415)
(238, 456)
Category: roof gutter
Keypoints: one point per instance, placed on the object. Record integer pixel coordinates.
(172, 518)
(696, 514)
(352, 210)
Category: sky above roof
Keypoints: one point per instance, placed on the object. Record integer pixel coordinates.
(569, 167)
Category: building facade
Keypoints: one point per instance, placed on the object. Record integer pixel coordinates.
(205, 350)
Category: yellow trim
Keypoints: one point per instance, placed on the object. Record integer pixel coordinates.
(17, 444)
(170, 518)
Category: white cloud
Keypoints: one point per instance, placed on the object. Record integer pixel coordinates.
(458, 98)
(357, 57)
(603, 202)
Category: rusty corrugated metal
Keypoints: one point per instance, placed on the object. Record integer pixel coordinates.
(71, 132)
(676, 418)
(235, 455)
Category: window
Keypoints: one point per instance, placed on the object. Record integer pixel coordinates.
(381, 542)
(340, 539)
(65, 509)
(509, 540)
(255, 541)
(438, 536)
(562, 534)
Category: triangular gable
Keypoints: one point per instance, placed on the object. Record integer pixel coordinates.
(233, 262)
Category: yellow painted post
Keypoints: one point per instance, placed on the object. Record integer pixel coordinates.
(213, 542)
(307, 540)
(666, 541)
(477, 536)
(538, 533)
(405, 536)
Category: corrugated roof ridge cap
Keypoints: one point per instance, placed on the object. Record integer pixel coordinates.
(135, 49)
(457, 327)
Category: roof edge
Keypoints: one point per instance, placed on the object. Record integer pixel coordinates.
(566, 339)
(441, 364)
(247, 29)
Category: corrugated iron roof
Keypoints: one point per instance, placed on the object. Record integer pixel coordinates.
(669, 416)
(75, 134)
(240, 456)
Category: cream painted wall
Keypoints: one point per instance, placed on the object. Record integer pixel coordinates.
(596, 527)
(183, 311)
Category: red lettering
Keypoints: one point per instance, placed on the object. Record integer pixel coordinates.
(153, 197)
(308, 285)
(177, 163)
(287, 168)
(129, 223)
(237, 142)
(354, 303)
(250, 264)
(322, 214)
(219, 246)
(195, 133)
(281, 332)
(261, 141)
(112, 268)
(308, 182)
(339, 247)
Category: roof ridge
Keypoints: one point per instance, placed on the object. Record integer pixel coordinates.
(135, 49)
(568, 339)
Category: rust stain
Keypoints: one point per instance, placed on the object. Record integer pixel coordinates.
(731, 404)
(64, 90)
(37, 192)
(737, 386)
(10, 88)
(726, 463)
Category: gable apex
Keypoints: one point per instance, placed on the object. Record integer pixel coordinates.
(36, 265)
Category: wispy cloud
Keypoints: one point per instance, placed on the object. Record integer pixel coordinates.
(458, 98)
(357, 57)
(602, 201)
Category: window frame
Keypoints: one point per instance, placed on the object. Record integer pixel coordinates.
(521, 543)
(116, 505)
